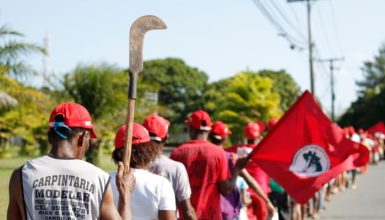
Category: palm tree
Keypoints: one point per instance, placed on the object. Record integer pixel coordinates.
(12, 51)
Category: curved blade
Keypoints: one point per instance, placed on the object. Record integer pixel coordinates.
(137, 31)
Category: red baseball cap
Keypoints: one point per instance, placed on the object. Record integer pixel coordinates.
(156, 125)
(139, 135)
(261, 125)
(220, 130)
(251, 130)
(75, 116)
(200, 120)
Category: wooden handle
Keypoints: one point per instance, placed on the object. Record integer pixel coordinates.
(129, 128)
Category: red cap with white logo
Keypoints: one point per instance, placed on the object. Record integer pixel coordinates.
(200, 120)
(157, 126)
(74, 115)
(220, 130)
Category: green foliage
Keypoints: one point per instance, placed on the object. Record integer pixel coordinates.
(12, 51)
(374, 74)
(102, 90)
(366, 111)
(369, 108)
(179, 86)
(245, 97)
(28, 120)
(284, 85)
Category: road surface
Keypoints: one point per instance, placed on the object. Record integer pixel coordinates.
(366, 202)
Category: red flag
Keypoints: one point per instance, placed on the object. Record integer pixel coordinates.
(304, 150)
(378, 129)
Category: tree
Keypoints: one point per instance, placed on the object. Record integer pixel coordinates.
(22, 121)
(12, 51)
(245, 97)
(179, 86)
(369, 108)
(374, 74)
(284, 85)
(102, 89)
(25, 122)
(365, 111)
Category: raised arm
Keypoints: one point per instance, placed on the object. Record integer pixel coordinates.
(253, 184)
(225, 187)
(125, 184)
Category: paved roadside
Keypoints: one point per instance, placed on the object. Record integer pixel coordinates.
(367, 202)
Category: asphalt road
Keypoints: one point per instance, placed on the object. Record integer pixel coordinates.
(366, 202)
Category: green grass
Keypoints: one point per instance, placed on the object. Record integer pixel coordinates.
(7, 165)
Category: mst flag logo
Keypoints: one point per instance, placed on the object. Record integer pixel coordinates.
(310, 161)
(305, 150)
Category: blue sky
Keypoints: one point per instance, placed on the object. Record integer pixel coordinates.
(220, 37)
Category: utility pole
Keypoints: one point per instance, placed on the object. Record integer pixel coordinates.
(310, 44)
(333, 96)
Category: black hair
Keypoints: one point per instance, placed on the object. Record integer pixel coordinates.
(53, 135)
(215, 140)
(160, 144)
(141, 154)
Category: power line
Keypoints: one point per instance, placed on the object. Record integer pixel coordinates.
(295, 15)
(287, 21)
(335, 27)
(325, 35)
(292, 40)
(331, 62)
(310, 44)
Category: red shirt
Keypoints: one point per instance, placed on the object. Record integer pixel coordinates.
(255, 171)
(206, 165)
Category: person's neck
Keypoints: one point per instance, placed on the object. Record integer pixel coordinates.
(143, 167)
(62, 149)
(200, 136)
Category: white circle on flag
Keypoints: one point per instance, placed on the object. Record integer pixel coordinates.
(311, 160)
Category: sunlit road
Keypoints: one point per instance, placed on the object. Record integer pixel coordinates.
(365, 202)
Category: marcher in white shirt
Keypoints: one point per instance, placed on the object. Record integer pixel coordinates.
(153, 196)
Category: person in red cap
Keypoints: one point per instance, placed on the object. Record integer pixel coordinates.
(174, 171)
(206, 166)
(231, 203)
(259, 208)
(61, 185)
(153, 195)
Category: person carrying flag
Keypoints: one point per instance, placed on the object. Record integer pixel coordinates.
(232, 203)
(207, 168)
(61, 185)
(258, 209)
(174, 171)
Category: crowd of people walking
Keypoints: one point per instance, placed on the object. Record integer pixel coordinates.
(201, 179)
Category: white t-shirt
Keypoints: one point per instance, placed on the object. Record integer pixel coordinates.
(62, 189)
(176, 173)
(151, 194)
